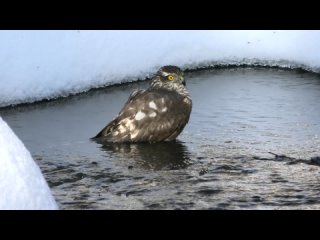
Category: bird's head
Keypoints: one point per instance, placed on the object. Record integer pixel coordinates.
(171, 75)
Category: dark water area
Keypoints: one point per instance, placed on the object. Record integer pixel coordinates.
(252, 142)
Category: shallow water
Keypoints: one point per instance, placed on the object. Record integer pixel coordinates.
(220, 161)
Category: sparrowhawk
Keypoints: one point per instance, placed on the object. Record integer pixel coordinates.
(156, 114)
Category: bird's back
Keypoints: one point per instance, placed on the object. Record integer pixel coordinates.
(150, 115)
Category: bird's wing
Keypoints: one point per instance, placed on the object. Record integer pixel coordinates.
(135, 93)
(151, 115)
(125, 111)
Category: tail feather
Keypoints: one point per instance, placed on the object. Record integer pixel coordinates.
(106, 130)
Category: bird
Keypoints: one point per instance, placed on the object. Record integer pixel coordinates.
(156, 114)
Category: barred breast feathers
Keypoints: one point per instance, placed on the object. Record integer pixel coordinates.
(182, 90)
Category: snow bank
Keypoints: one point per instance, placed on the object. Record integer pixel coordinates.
(38, 65)
(22, 185)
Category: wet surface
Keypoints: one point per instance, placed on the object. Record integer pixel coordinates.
(252, 143)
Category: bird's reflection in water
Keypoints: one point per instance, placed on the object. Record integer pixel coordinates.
(157, 156)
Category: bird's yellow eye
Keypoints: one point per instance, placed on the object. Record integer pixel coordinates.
(170, 77)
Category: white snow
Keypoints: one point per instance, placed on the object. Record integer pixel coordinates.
(22, 185)
(36, 65)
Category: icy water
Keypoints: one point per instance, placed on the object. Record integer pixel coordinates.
(220, 161)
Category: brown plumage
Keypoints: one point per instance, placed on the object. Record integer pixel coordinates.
(159, 113)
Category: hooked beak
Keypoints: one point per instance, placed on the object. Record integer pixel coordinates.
(183, 81)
